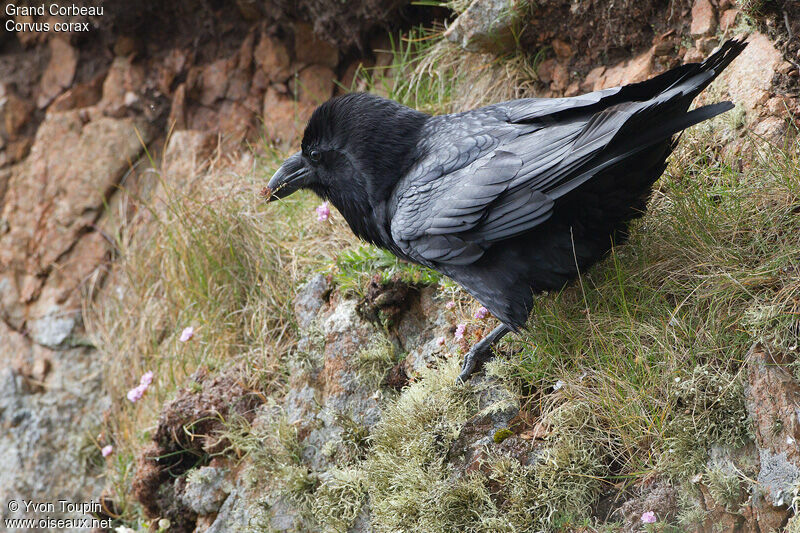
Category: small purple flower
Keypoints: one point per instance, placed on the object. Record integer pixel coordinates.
(481, 313)
(107, 450)
(187, 334)
(147, 379)
(460, 329)
(649, 517)
(323, 212)
(449, 305)
(136, 393)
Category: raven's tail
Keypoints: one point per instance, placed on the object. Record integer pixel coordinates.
(691, 78)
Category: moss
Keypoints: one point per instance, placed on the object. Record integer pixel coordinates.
(708, 409)
(501, 435)
(338, 500)
(724, 486)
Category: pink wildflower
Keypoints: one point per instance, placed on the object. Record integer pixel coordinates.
(649, 517)
(323, 212)
(187, 334)
(481, 313)
(449, 305)
(147, 379)
(460, 329)
(107, 450)
(440, 341)
(136, 393)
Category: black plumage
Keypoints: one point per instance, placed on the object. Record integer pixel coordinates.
(507, 200)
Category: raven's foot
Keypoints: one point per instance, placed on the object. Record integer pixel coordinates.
(481, 352)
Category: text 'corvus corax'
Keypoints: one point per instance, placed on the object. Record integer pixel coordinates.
(508, 200)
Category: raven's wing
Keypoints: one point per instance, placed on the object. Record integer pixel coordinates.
(496, 172)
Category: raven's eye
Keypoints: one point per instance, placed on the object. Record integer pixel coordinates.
(314, 156)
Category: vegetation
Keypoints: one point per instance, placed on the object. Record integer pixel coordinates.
(635, 370)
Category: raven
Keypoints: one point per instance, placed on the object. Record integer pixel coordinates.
(508, 200)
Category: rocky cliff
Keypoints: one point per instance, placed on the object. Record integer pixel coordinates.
(316, 408)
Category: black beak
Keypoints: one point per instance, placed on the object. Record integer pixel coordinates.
(290, 177)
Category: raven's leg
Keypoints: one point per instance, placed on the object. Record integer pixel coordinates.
(481, 352)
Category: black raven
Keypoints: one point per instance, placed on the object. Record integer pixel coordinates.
(508, 200)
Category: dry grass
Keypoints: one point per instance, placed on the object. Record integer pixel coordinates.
(213, 257)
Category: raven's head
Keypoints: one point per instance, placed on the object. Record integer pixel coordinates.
(355, 148)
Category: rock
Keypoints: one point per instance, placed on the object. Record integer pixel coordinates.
(123, 77)
(310, 49)
(59, 72)
(728, 19)
(177, 110)
(639, 68)
(773, 402)
(16, 112)
(206, 489)
(79, 96)
(546, 70)
(560, 78)
(272, 57)
(52, 199)
(315, 84)
(748, 78)
(284, 119)
(215, 79)
(486, 26)
(777, 477)
(310, 298)
(563, 51)
(703, 19)
(41, 443)
(235, 121)
(54, 328)
(125, 45)
(694, 55)
(591, 82)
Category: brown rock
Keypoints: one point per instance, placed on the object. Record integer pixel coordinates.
(613, 77)
(177, 111)
(573, 89)
(125, 45)
(748, 78)
(315, 84)
(284, 118)
(310, 49)
(693, 55)
(16, 112)
(123, 77)
(703, 18)
(235, 120)
(170, 68)
(545, 70)
(728, 19)
(59, 73)
(215, 79)
(560, 78)
(79, 96)
(563, 51)
(52, 199)
(639, 68)
(590, 83)
(272, 57)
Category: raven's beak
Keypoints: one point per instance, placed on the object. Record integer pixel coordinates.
(290, 177)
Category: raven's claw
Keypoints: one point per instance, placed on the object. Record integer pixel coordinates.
(481, 352)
